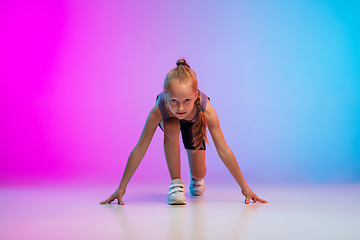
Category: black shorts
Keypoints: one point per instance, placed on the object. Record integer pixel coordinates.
(186, 134)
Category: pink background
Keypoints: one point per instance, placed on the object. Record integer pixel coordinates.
(78, 79)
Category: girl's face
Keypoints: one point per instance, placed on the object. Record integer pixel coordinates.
(181, 98)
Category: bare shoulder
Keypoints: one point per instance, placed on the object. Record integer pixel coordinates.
(155, 115)
(210, 115)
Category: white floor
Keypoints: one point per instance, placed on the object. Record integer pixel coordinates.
(293, 212)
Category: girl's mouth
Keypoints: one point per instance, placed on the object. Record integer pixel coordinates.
(180, 113)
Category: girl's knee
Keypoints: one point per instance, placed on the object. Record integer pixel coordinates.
(172, 126)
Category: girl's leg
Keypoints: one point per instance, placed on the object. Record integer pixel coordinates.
(197, 163)
(171, 146)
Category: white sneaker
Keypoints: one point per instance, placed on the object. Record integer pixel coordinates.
(177, 192)
(197, 187)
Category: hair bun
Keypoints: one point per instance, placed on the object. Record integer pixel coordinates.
(182, 62)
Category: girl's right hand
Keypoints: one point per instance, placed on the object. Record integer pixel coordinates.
(118, 194)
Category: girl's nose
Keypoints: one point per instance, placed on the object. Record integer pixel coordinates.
(180, 107)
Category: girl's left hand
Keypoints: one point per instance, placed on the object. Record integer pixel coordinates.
(250, 195)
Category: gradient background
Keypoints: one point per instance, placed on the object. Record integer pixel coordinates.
(78, 79)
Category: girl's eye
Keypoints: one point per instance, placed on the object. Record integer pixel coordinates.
(173, 100)
(187, 100)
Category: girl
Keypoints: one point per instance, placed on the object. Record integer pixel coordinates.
(181, 107)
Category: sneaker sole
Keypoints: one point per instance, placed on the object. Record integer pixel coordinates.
(177, 203)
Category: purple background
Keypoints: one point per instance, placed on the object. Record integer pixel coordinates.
(78, 79)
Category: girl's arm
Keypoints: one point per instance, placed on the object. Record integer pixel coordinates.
(137, 154)
(226, 154)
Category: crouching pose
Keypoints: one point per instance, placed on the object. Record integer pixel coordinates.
(182, 107)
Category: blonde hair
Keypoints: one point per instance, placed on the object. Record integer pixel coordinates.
(184, 74)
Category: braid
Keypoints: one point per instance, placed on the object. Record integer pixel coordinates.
(199, 127)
